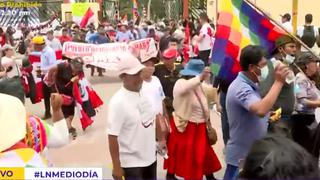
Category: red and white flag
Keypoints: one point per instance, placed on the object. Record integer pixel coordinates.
(88, 17)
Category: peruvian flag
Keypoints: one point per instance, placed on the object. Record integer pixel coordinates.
(84, 118)
(186, 44)
(88, 17)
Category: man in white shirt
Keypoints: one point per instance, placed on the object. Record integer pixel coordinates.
(53, 42)
(131, 125)
(286, 22)
(205, 39)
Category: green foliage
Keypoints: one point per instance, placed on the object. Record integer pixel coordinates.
(157, 8)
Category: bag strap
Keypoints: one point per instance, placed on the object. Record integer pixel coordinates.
(202, 106)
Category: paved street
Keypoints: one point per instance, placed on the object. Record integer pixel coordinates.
(90, 149)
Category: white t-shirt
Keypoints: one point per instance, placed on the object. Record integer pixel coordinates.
(206, 42)
(288, 26)
(301, 29)
(131, 118)
(55, 44)
(154, 92)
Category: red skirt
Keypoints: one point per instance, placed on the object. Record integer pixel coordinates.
(190, 155)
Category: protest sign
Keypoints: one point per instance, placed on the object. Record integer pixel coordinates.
(104, 55)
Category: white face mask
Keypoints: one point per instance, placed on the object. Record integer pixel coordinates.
(289, 59)
(264, 74)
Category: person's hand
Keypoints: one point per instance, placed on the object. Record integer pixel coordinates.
(205, 74)
(219, 108)
(117, 173)
(3, 73)
(280, 73)
(75, 79)
(56, 101)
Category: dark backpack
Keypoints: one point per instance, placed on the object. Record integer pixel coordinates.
(309, 36)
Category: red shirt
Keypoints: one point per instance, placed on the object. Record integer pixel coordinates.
(64, 39)
(2, 39)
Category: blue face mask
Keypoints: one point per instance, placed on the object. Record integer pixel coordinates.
(296, 89)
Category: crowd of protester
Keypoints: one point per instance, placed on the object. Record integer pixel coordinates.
(165, 100)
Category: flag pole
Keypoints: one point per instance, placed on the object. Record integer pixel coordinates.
(275, 22)
(294, 15)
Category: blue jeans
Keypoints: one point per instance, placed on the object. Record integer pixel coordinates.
(224, 118)
(231, 173)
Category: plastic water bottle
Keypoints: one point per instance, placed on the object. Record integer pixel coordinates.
(162, 151)
(290, 77)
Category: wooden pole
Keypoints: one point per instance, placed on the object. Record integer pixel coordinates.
(294, 15)
(279, 25)
(185, 9)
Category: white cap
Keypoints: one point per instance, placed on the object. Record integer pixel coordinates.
(128, 64)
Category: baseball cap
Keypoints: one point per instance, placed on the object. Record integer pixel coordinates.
(129, 64)
(38, 40)
(170, 53)
(284, 39)
(13, 121)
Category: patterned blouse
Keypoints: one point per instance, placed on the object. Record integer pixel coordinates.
(305, 89)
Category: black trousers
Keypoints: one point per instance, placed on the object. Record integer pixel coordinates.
(204, 56)
(141, 173)
(46, 91)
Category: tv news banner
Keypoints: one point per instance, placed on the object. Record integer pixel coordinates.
(15, 173)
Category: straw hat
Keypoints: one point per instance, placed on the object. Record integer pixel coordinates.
(12, 121)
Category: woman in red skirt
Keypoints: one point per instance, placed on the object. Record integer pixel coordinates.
(190, 154)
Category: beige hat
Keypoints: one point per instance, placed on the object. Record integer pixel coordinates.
(128, 64)
(12, 121)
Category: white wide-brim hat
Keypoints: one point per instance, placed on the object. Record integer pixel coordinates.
(12, 121)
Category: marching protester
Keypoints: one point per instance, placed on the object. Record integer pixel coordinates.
(131, 133)
(153, 89)
(286, 22)
(38, 134)
(247, 111)
(304, 126)
(59, 77)
(65, 36)
(9, 63)
(168, 74)
(284, 54)
(223, 86)
(48, 59)
(205, 38)
(308, 33)
(13, 131)
(188, 144)
(9, 35)
(99, 38)
(53, 42)
(123, 35)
